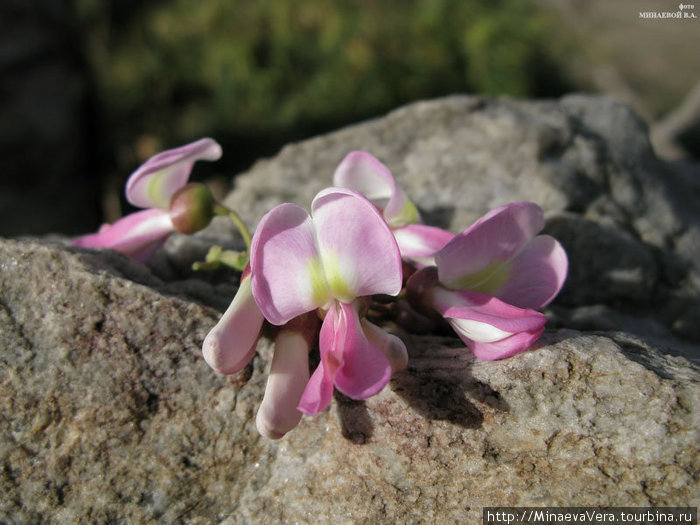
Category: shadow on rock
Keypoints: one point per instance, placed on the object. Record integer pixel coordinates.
(355, 421)
(439, 384)
(438, 399)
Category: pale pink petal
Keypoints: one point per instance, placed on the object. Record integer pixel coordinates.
(420, 243)
(507, 347)
(359, 253)
(365, 174)
(289, 373)
(486, 324)
(388, 344)
(288, 277)
(537, 274)
(479, 257)
(154, 183)
(138, 234)
(230, 345)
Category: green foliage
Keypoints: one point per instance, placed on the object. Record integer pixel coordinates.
(185, 68)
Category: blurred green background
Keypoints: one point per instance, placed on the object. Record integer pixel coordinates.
(91, 88)
(184, 68)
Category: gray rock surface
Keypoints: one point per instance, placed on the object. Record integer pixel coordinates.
(111, 416)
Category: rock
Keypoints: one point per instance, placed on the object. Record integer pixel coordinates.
(630, 222)
(111, 415)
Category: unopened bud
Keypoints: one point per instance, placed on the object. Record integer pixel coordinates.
(419, 289)
(191, 208)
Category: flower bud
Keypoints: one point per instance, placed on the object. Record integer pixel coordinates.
(191, 208)
(419, 289)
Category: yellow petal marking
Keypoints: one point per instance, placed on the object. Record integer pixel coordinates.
(320, 291)
(340, 289)
(485, 281)
(154, 188)
(408, 215)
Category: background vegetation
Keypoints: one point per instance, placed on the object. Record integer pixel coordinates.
(257, 74)
(91, 88)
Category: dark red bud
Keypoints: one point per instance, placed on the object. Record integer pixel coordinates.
(414, 322)
(246, 272)
(419, 286)
(192, 208)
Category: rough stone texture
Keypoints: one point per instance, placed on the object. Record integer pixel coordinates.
(111, 416)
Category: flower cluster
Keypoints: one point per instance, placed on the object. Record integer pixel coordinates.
(329, 264)
(314, 276)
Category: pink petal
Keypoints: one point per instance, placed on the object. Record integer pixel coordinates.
(537, 274)
(138, 234)
(364, 369)
(359, 253)
(154, 183)
(358, 369)
(230, 345)
(319, 390)
(288, 277)
(388, 344)
(365, 174)
(491, 328)
(289, 373)
(479, 257)
(420, 243)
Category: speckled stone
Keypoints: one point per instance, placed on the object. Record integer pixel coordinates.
(110, 415)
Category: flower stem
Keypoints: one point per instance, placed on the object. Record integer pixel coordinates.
(220, 209)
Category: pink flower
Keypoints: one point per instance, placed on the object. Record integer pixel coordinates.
(363, 173)
(491, 278)
(331, 261)
(303, 266)
(160, 185)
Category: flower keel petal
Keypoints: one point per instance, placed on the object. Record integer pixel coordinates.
(365, 370)
(231, 343)
(388, 344)
(319, 390)
(289, 373)
(491, 328)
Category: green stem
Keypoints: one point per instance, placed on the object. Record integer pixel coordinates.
(220, 209)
